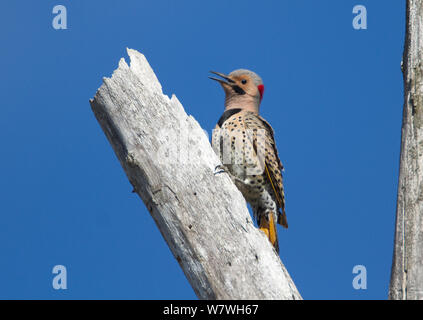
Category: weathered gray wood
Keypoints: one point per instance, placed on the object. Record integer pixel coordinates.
(201, 215)
(407, 266)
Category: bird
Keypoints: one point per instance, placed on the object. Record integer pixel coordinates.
(245, 143)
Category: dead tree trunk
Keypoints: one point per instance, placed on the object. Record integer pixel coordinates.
(407, 266)
(170, 163)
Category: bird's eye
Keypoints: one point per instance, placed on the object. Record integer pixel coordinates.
(244, 81)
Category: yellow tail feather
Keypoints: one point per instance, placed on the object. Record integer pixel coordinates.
(269, 229)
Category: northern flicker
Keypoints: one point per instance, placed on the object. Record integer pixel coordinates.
(246, 145)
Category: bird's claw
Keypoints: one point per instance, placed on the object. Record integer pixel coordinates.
(220, 167)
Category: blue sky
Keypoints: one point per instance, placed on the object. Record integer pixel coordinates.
(333, 95)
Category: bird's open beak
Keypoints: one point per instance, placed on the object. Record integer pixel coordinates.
(224, 77)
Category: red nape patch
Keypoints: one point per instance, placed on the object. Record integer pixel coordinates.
(260, 88)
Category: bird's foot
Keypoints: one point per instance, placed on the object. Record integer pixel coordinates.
(220, 168)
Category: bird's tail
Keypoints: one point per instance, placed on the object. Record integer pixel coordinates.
(282, 220)
(268, 226)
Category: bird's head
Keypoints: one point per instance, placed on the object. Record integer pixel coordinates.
(243, 89)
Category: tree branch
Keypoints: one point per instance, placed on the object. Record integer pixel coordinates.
(407, 266)
(201, 215)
